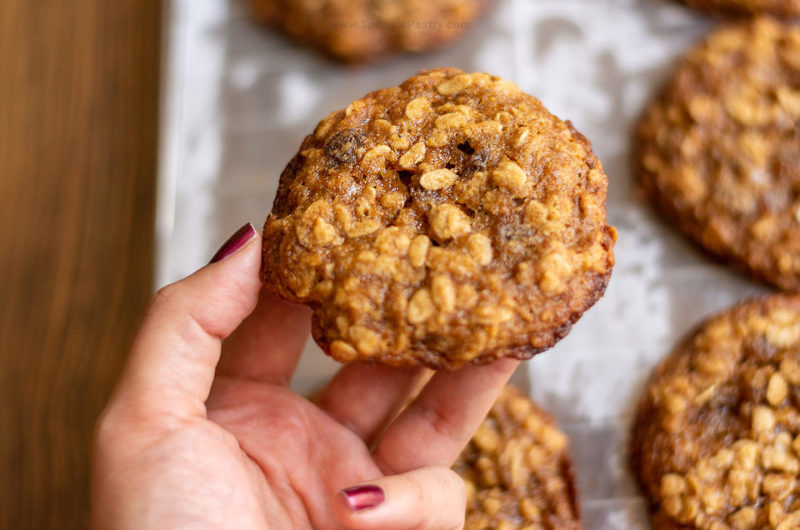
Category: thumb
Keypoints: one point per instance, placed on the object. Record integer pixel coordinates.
(171, 366)
(427, 498)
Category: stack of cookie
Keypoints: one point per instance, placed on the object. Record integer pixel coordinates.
(716, 440)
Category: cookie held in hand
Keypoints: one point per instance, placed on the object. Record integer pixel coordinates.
(449, 220)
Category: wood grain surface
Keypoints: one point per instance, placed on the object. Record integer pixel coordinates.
(78, 137)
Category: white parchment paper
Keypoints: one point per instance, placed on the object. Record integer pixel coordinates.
(238, 100)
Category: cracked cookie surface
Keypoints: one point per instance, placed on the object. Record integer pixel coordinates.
(357, 31)
(446, 221)
(518, 471)
(719, 151)
(730, 8)
(716, 440)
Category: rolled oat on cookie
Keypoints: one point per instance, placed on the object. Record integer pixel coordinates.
(446, 221)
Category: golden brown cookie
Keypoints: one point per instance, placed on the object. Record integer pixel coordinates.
(719, 151)
(449, 220)
(518, 471)
(716, 440)
(732, 8)
(356, 31)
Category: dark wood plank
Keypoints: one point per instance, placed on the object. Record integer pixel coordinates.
(78, 137)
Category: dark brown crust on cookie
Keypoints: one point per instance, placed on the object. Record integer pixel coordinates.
(719, 151)
(518, 470)
(447, 221)
(740, 8)
(715, 439)
(357, 31)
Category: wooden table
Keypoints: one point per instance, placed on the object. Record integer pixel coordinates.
(78, 137)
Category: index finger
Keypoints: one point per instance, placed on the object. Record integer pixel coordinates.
(268, 344)
(437, 425)
(171, 365)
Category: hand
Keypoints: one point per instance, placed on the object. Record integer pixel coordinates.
(202, 433)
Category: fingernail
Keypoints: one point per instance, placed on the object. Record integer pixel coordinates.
(363, 497)
(235, 242)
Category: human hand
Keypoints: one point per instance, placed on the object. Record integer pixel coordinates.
(202, 433)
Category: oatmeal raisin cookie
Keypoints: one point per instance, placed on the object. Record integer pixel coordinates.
(356, 31)
(518, 471)
(446, 221)
(716, 440)
(719, 151)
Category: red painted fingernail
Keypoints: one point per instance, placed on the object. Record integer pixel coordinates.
(235, 242)
(363, 497)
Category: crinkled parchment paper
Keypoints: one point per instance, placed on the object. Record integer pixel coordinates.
(238, 100)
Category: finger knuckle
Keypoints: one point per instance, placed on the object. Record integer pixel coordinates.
(442, 424)
(106, 429)
(164, 296)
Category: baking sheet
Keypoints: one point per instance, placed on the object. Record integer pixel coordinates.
(238, 99)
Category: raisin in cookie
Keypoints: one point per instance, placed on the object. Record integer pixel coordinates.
(449, 220)
(716, 438)
(732, 8)
(518, 471)
(362, 30)
(719, 152)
